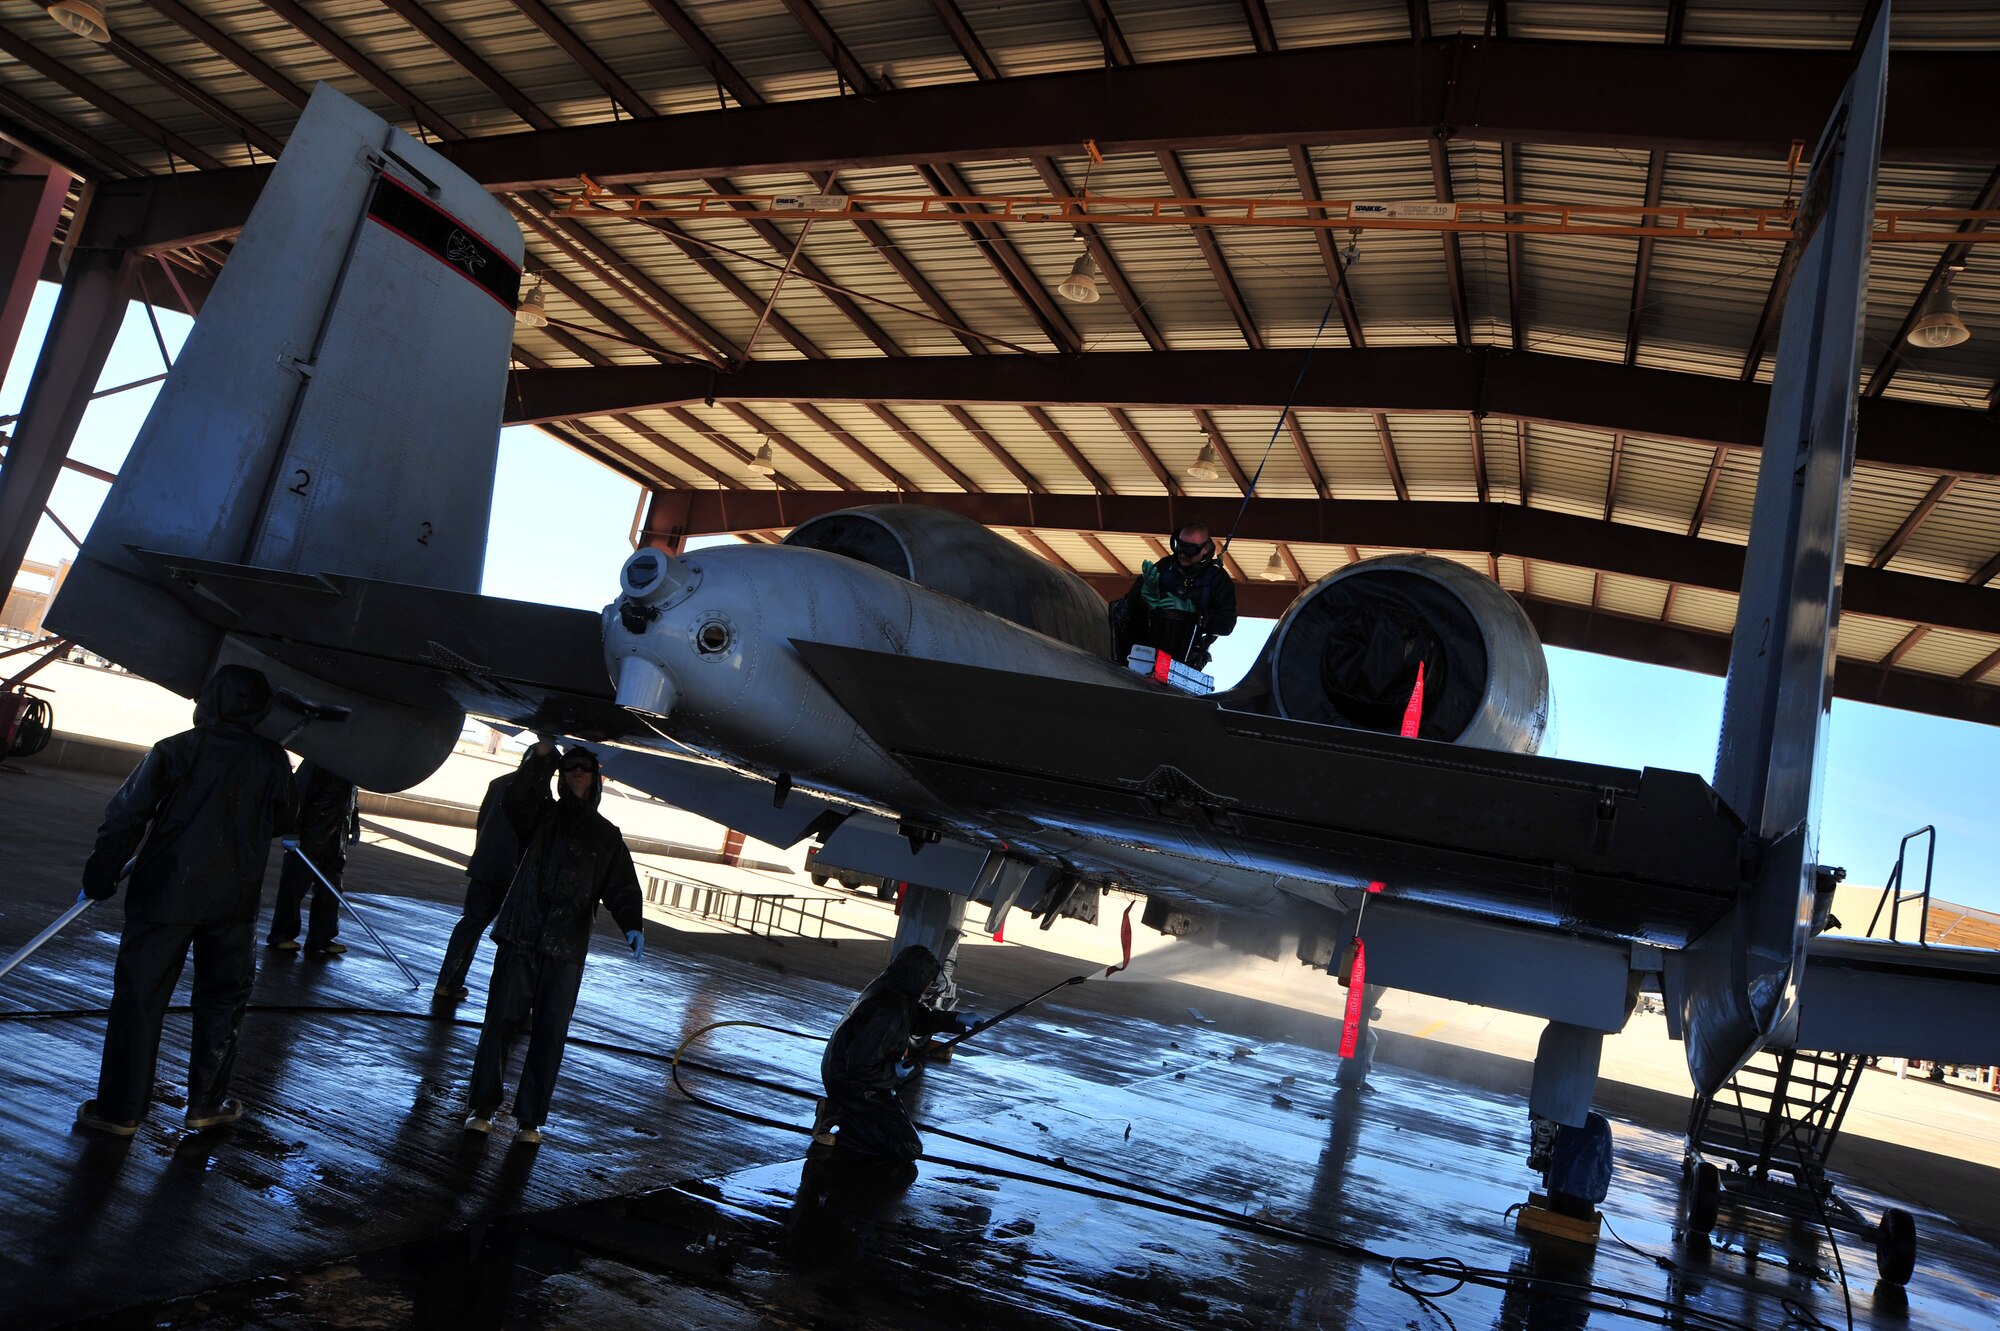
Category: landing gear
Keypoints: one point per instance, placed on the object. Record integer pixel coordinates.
(1704, 1198)
(1896, 1247)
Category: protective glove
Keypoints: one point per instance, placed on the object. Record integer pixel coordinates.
(99, 891)
(637, 938)
(905, 1070)
(289, 842)
(963, 1022)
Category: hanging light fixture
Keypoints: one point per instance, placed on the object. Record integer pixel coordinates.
(85, 18)
(762, 462)
(1081, 284)
(531, 313)
(1938, 323)
(1207, 463)
(1274, 568)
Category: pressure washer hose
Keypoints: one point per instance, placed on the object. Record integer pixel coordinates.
(1402, 1271)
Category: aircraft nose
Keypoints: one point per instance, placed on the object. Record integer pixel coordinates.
(652, 581)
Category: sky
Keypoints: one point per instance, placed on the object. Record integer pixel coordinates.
(561, 530)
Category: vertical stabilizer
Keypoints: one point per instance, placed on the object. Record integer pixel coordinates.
(1741, 978)
(335, 410)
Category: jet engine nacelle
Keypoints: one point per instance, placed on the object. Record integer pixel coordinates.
(1346, 654)
(955, 555)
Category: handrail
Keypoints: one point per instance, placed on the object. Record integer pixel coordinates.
(1893, 896)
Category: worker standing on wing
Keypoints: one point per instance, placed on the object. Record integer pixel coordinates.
(1179, 605)
(572, 859)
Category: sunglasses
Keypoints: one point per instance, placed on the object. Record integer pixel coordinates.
(577, 767)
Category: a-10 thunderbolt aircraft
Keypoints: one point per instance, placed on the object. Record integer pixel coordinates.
(310, 495)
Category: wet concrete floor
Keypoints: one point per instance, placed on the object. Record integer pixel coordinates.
(1106, 1161)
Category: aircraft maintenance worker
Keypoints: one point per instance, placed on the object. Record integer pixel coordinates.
(329, 817)
(496, 853)
(572, 859)
(200, 811)
(1180, 605)
(869, 1055)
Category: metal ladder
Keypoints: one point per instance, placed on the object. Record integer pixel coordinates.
(1781, 1112)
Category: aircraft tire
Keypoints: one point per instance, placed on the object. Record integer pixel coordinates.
(1896, 1247)
(1704, 1198)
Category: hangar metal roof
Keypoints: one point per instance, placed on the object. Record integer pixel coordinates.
(1608, 384)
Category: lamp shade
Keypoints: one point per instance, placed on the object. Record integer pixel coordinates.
(85, 18)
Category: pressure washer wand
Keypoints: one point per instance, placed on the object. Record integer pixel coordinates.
(62, 922)
(1018, 1008)
(293, 847)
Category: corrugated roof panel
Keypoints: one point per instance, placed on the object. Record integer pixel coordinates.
(1034, 36)
(898, 42)
(1021, 439)
(793, 424)
(1568, 469)
(636, 441)
(935, 427)
(1576, 290)
(1704, 297)
(1559, 582)
(1314, 23)
(1897, 274)
(1735, 496)
(1279, 270)
(1989, 675)
(1503, 458)
(1635, 598)
(1249, 435)
(719, 423)
(1435, 453)
(1511, 571)
(1184, 30)
(1948, 652)
(1959, 537)
(886, 444)
(1176, 438)
(1659, 482)
(1476, 174)
(1879, 502)
(1098, 438)
(1704, 610)
(1349, 453)
(1131, 550)
(1397, 277)
(1865, 638)
(1640, 21)
(1796, 23)
(633, 43)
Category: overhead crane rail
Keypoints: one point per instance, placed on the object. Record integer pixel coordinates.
(1667, 221)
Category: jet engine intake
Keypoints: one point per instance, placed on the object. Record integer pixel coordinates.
(1347, 651)
(953, 554)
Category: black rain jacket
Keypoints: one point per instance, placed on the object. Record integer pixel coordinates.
(496, 851)
(572, 859)
(875, 1035)
(327, 815)
(206, 804)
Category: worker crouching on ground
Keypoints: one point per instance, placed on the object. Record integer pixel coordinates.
(200, 810)
(869, 1055)
(572, 860)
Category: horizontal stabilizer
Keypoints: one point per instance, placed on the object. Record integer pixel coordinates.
(540, 667)
(1871, 996)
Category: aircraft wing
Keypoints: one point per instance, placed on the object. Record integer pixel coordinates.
(1645, 856)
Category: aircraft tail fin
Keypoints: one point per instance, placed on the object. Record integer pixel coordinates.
(335, 410)
(1743, 975)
